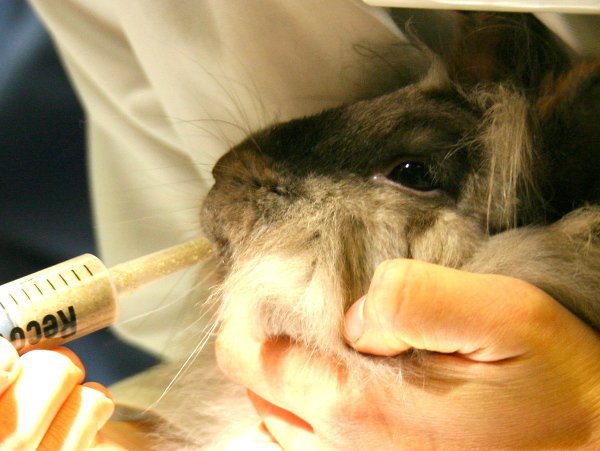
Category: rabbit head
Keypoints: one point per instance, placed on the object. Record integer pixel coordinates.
(302, 212)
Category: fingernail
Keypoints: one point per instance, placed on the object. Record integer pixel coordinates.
(354, 325)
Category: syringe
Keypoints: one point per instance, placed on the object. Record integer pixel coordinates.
(79, 296)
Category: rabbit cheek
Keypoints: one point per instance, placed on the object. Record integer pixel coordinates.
(284, 279)
(450, 241)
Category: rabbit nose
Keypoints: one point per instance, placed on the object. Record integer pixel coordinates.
(246, 171)
(239, 164)
(224, 167)
(243, 168)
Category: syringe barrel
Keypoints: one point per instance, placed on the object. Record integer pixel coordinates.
(58, 304)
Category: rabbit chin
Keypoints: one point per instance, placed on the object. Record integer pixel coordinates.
(292, 296)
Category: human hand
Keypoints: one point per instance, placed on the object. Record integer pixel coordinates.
(43, 405)
(503, 366)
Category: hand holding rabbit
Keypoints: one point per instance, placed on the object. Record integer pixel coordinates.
(493, 363)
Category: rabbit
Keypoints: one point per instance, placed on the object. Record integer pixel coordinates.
(488, 163)
(484, 169)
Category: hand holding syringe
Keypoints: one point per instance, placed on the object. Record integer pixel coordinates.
(44, 403)
(77, 297)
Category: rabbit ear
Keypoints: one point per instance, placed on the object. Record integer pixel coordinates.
(436, 77)
(485, 47)
(568, 111)
(504, 47)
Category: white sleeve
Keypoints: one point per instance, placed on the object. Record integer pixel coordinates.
(168, 86)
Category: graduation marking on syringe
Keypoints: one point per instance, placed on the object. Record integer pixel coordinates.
(88, 270)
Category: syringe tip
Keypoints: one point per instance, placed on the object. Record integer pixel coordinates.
(129, 276)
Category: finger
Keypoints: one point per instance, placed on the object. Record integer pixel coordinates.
(279, 371)
(73, 358)
(9, 364)
(30, 404)
(256, 439)
(267, 409)
(286, 430)
(79, 419)
(99, 387)
(413, 304)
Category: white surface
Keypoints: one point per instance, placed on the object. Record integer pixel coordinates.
(562, 6)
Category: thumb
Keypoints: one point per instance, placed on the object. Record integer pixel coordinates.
(413, 304)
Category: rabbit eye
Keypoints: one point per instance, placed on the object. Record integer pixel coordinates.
(413, 174)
